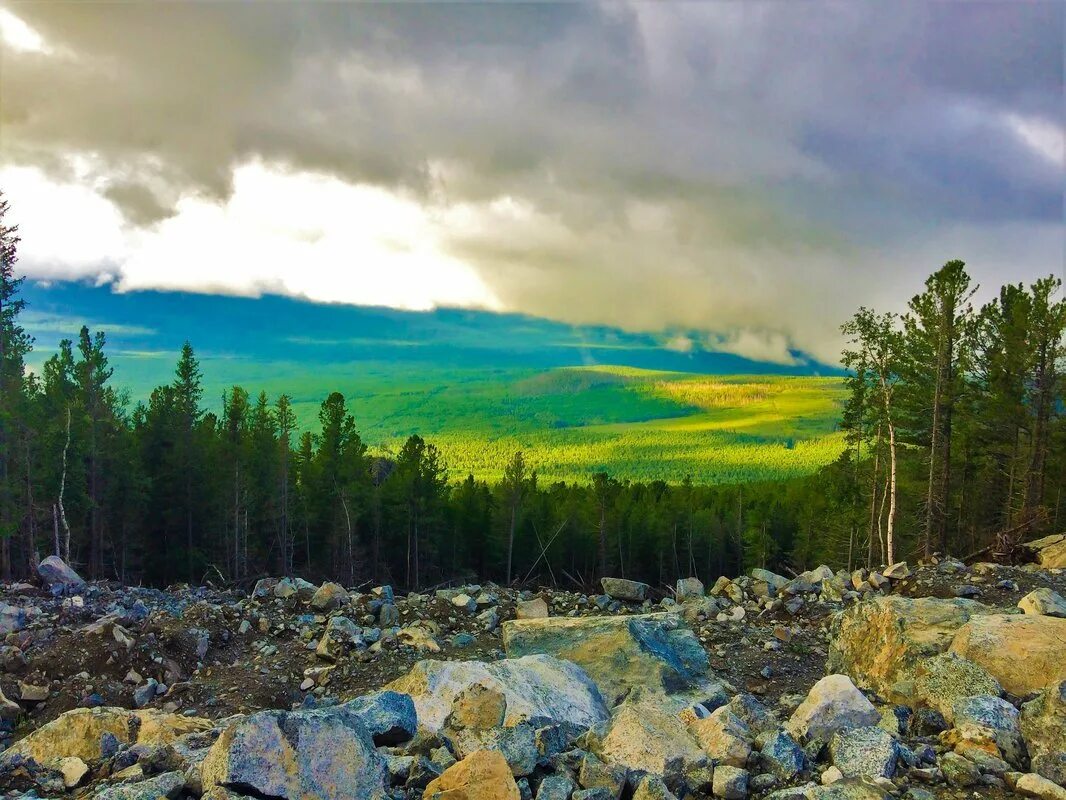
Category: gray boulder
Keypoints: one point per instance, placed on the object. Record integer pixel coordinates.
(389, 716)
(317, 754)
(1043, 724)
(868, 752)
(54, 571)
(622, 589)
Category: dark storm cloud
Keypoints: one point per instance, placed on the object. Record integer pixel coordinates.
(677, 155)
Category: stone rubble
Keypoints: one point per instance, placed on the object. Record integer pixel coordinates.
(820, 686)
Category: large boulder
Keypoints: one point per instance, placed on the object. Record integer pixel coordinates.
(1024, 653)
(80, 733)
(941, 680)
(623, 589)
(329, 596)
(483, 775)
(1043, 601)
(650, 651)
(1050, 551)
(390, 717)
(868, 752)
(167, 785)
(833, 704)
(647, 734)
(536, 687)
(879, 643)
(1043, 725)
(54, 571)
(315, 754)
(724, 737)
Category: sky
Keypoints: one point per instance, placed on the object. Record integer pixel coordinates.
(736, 177)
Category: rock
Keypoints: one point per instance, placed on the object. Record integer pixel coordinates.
(340, 633)
(652, 787)
(959, 772)
(464, 602)
(30, 693)
(868, 752)
(167, 785)
(897, 571)
(477, 707)
(1050, 551)
(730, 783)
(389, 716)
(1043, 726)
(595, 774)
(622, 589)
(75, 734)
(517, 744)
(55, 572)
(536, 687)
(724, 737)
(9, 710)
(645, 734)
(419, 638)
(847, 789)
(945, 678)
(73, 769)
(880, 642)
(651, 651)
(483, 775)
(998, 717)
(315, 754)
(490, 619)
(782, 756)
(688, 589)
(329, 596)
(264, 587)
(388, 616)
(531, 609)
(832, 705)
(555, 787)
(145, 693)
(1033, 785)
(1043, 601)
(1024, 653)
(294, 587)
(14, 618)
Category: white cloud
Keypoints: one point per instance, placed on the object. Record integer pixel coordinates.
(291, 233)
(1045, 138)
(19, 36)
(758, 345)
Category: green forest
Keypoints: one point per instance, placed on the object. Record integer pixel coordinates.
(949, 438)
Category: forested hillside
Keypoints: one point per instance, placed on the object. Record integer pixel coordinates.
(953, 429)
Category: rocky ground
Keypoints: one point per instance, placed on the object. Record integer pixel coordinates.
(937, 680)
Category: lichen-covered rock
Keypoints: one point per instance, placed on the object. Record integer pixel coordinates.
(645, 734)
(1033, 785)
(995, 717)
(389, 716)
(317, 754)
(688, 589)
(730, 783)
(868, 752)
(724, 736)
(168, 785)
(483, 775)
(1043, 601)
(531, 609)
(941, 680)
(54, 571)
(536, 687)
(340, 633)
(1024, 653)
(833, 704)
(79, 733)
(781, 756)
(649, 651)
(1043, 726)
(623, 589)
(879, 643)
(329, 596)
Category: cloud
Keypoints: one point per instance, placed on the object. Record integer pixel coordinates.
(751, 171)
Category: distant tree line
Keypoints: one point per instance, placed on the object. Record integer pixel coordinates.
(955, 442)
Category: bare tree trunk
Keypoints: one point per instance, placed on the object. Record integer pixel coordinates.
(510, 538)
(62, 489)
(891, 527)
(873, 498)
